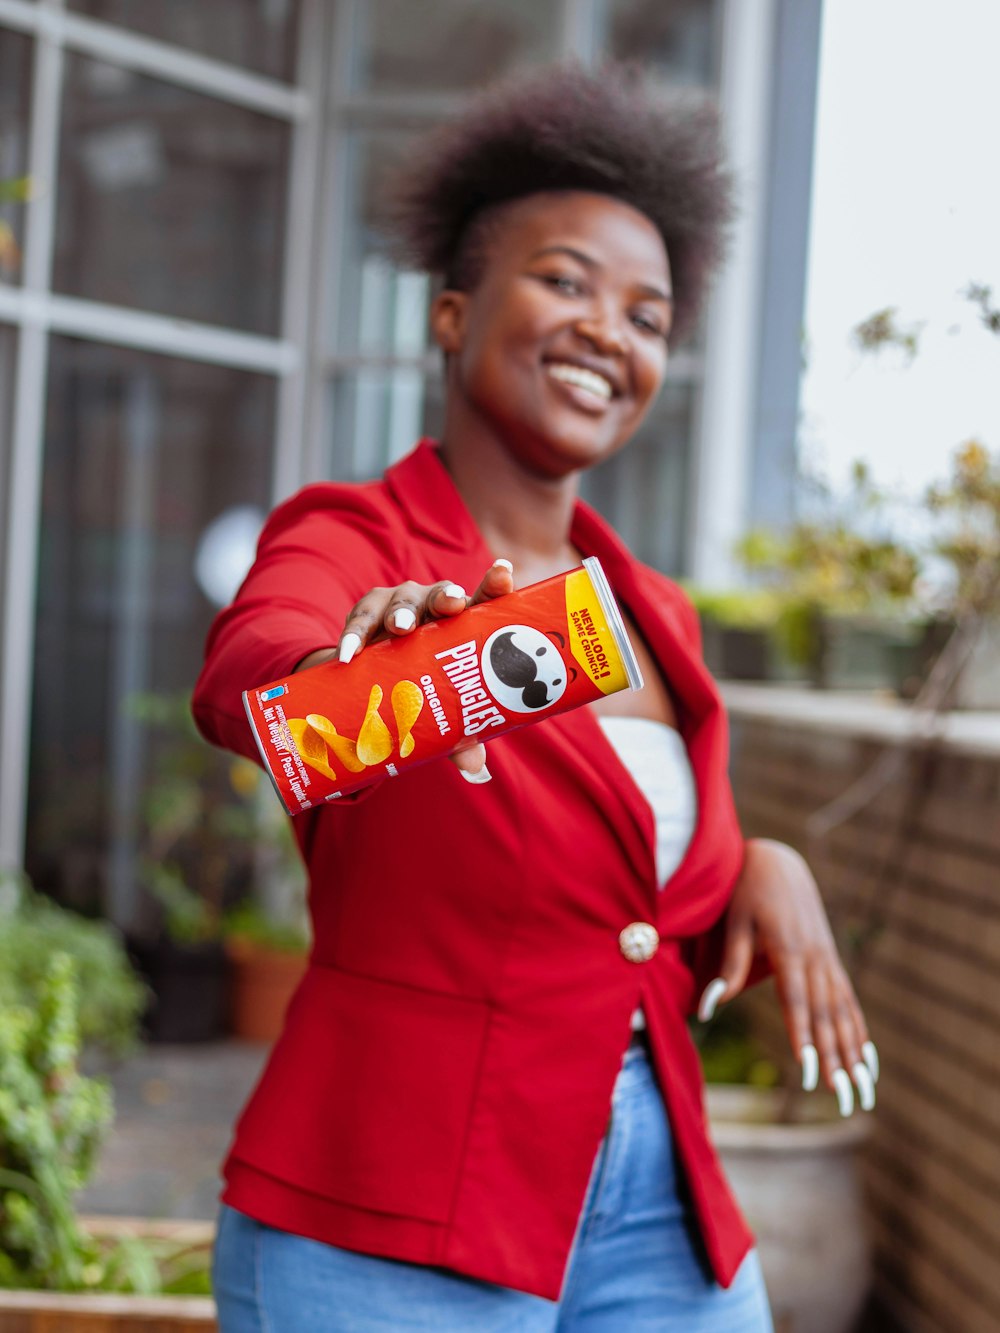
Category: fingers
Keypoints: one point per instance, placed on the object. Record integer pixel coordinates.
(793, 993)
(471, 763)
(397, 611)
(737, 957)
(498, 580)
(827, 1030)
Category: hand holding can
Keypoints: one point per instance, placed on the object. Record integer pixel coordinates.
(452, 682)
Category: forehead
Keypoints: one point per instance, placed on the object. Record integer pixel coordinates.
(611, 231)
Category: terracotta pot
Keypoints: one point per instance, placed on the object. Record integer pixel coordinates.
(262, 981)
(798, 1184)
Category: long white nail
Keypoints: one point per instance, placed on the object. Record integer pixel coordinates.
(504, 564)
(349, 645)
(403, 618)
(870, 1056)
(454, 590)
(484, 775)
(711, 996)
(845, 1092)
(810, 1067)
(865, 1084)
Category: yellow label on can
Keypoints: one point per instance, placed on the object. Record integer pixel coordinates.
(591, 639)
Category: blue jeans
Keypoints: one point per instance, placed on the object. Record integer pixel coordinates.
(635, 1265)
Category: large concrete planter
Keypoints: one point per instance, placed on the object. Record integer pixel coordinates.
(799, 1186)
(51, 1312)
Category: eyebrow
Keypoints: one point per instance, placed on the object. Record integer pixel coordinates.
(588, 261)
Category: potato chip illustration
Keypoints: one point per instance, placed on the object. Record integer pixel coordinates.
(374, 739)
(311, 746)
(344, 749)
(407, 701)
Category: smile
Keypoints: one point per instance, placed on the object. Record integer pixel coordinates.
(588, 380)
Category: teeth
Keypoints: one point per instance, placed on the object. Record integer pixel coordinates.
(583, 379)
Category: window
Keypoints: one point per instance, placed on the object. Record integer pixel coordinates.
(676, 39)
(446, 45)
(142, 452)
(258, 35)
(169, 201)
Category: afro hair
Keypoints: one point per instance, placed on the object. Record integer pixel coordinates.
(561, 127)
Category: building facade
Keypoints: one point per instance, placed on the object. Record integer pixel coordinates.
(197, 316)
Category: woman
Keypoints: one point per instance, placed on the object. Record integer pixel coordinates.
(504, 955)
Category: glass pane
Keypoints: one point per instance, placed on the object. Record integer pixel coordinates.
(643, 490)
(675, 39)
(378, 416)
(169, 201)
(380, 309)
(142, 454)
(442, 45)
(8, 354)
(257, 34)
(15, 73)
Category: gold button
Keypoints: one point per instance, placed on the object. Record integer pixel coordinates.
(639, 941)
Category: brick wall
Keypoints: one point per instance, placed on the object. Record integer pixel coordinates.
(912, 883)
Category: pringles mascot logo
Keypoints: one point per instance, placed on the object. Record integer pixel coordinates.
(523, 668)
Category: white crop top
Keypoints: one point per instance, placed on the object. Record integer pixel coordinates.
(656, 757)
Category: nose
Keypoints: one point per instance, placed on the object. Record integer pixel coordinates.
(602, 328)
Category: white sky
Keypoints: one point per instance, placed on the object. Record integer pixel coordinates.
(906, 212)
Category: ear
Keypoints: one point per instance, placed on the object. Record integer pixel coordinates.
(448, 319)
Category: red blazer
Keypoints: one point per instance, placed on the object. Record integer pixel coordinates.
(444, 1077)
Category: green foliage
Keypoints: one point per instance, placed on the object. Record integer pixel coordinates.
(52, 1121)
(249, 922)
(842, 563)
(33, 929)
(739, 608)
(831, 562)
(15, 191)
(882, 330)
(968, 504)
(730, 1053)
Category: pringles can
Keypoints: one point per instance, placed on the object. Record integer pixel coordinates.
(519, 658)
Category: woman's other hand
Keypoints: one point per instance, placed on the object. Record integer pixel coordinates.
(776, 910)
(395, 612)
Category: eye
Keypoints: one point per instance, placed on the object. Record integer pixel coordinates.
(564, 283)
(649, 324)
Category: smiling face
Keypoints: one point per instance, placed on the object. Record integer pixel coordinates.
(559, 350)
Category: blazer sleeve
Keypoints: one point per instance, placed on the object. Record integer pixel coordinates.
(318, 553)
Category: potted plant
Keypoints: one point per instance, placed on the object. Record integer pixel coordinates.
(846, 587)
(223, 875)
(53, 1119)
(267, 962)
(739, 638)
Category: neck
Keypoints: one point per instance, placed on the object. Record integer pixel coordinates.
(524, 516)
